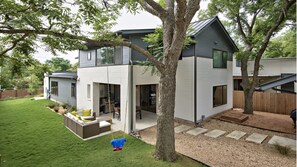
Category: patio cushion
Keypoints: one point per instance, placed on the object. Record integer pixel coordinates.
(104, 124)
(86, 113)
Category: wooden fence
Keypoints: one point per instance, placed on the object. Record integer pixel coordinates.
(279, 103)
(16, 93)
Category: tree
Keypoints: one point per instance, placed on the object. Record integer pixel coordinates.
(58, 64)
(58, 27)
(283, 45)
(254, 22)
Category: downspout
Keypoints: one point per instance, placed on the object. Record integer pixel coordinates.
(195, 85)
(131, 94)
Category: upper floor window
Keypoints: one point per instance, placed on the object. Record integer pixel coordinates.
(89, 56)
(220, 59)
(105, 55)
(54, 88)
(238, 63)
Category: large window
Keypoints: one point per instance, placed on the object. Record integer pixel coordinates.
(219, 95)
(220, 59)
(105, 55)
(54, 88)
(89, 56)
(73, 90)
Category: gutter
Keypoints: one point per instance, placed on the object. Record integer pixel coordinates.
(195, 85)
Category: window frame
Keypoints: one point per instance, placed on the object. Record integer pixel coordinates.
(99, 56)
(88, 91)
(89, 56)
(73, 90)
(55, 88)
(224, 61)
(224, 96)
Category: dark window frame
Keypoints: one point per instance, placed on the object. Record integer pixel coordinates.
(224, 61)
(55, 88)
(100, 58)
(73, 89)
(224, 95)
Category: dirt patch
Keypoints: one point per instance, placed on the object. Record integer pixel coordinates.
(269, 121)
(225, 151)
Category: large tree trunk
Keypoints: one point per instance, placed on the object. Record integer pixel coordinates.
(165, 146)
(248, 102)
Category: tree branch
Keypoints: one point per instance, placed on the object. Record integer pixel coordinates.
(149, 9)
(98, 43)
(14, 44)
(282, 14)
(192, 7)
(153, 8)
(241, 30)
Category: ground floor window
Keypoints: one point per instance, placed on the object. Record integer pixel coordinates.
(54, 88)
(219, 95)
(73, 90)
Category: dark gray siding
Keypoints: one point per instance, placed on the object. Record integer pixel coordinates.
(138, 40)
(211, 38)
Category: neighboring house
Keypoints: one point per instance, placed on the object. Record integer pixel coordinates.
(61, 87)
(204, 76)
(272, 70)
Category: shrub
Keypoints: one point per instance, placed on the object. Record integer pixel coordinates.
(52, 105)
(284, 150)
(64, 106)
(56, 108)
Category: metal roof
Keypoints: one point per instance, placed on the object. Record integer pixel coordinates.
(198, 26)
(71, 75)
(278, 82)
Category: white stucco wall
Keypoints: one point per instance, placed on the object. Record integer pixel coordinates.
(271, 67)
(207, 77)
(184, 101)
(118, 75)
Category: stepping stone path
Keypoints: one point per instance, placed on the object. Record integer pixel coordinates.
(196, 131)
(256, 138)
(236, 135)
(181, 128)
(215, 133)
(283, 141)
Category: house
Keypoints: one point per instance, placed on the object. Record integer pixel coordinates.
(272, 71)
(204, 76)
(61, 87)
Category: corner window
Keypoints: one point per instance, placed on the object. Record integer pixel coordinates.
(54, 88)
(88, 91)
(89, 56)
(73, 89)
(105, 55)
(220, 59)
(219, 95)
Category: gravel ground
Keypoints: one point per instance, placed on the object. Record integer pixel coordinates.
(225, 151)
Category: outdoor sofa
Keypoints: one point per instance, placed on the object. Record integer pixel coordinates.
(85, 129)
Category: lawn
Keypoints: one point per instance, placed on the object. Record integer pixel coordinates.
(32, 135)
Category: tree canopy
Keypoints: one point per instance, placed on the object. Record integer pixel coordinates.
(58, 64)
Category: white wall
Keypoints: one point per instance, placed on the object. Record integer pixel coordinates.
(184, 101)
(207, 77)
(45, 85)
(271, 67)
(118, 74)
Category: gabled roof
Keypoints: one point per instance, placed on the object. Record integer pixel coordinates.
(199, 26)
(278, 82)
(71, 75)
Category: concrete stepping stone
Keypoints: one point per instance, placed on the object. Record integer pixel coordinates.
(181, 128)
(196, 131)
(283, 141)
(236, 134)
(256, 138)
(215, 133)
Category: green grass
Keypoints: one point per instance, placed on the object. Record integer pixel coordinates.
(31, 135)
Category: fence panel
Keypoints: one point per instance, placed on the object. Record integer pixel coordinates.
(16, 93)
(279, 103)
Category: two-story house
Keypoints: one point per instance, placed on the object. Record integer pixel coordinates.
(204, 76)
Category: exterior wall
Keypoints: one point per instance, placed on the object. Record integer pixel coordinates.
(119, 75)
(138, 40)
(83, 58)
(184, 100)
(64, 91)
(207, 77)
(46, 86)
(271, 67)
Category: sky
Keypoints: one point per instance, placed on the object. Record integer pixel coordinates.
(127, 20)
